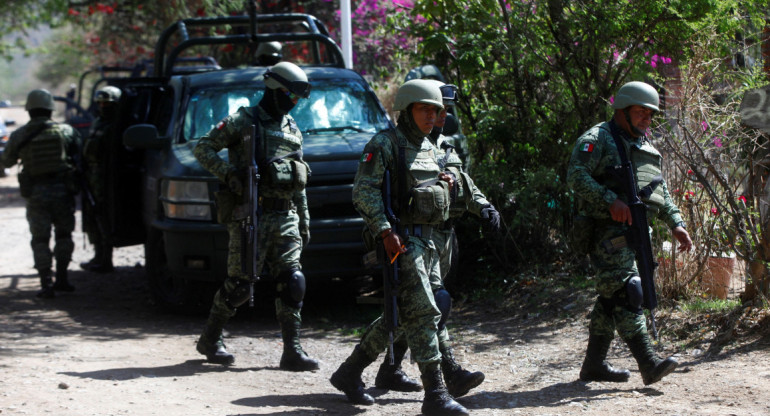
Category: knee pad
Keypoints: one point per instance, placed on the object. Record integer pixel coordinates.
(444, 304)
(239, 294)
(292, 287)
(634, 295)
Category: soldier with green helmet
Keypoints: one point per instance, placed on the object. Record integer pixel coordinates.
(284, 222)
(95, 159)
(466, 197)
(269, 53)
(47, 151)
(603, 205)
(411, 158)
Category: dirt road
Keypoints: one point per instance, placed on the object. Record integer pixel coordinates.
(107, 350)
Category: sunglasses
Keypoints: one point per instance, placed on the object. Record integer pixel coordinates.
(299, 89)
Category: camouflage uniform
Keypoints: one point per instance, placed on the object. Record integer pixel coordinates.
(95, 153)
(419, 266)
(49, 168)
(280, 229)
(594, 152)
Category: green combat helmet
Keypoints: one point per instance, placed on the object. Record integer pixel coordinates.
(636, 93)
(418, 91)
(108, 94)
(39, 99)
(269, 53)
(289, 76)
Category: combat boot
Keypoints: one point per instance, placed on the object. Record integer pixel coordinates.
(211, 343)
(294, 357)
(102, 261)
(652, 367)
(62, 280)
(437, 399)
(347, 378)
(46, 284)
(458, 381)
(595, 367)
(392, 377)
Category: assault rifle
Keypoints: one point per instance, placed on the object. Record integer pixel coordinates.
(246, 213)
(390, 279)
(639, 233)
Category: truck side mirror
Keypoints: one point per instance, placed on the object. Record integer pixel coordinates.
(145, 136)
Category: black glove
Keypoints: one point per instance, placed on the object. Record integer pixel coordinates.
(490, 214)
(234, 182)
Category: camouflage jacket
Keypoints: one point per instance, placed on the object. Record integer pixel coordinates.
(380, 154)
(468, 197)
(52, 150)
(275, 138)
(594, 152)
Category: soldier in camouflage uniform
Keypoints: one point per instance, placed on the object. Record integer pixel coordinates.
(47, 182)
(602, 204)
(419, 102)
(466, 198)
(284, 221)
(95, 158)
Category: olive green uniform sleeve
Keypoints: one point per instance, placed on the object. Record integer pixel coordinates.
(476, 199)
(590, 156)
(11, 152)
(378, 156)
(669, 212)
(227, 133)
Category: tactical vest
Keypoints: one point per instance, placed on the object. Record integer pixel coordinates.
(647, 163)
(427, 198)
(450, 162)
(46, 153)
(281, 165)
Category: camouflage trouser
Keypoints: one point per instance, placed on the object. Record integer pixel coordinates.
(613, 270)
(279, 245)
(417, 311)
(51, 204)
(92, 215)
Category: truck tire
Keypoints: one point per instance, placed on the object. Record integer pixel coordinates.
(170, 291)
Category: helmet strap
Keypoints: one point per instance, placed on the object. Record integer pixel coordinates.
(634, 130)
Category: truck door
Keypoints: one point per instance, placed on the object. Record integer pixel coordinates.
(144, 101)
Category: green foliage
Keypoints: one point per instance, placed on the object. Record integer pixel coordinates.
(533, 75)
(709, 305)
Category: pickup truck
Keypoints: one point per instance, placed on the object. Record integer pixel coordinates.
(158, 195)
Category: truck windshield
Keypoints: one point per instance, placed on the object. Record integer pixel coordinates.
(333, 107)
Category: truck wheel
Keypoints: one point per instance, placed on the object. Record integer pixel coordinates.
(172, 292)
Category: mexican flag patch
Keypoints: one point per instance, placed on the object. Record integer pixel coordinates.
(588, 148)
(366, 157)
(220, 125)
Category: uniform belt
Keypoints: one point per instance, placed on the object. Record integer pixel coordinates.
(276, 204)
(420, 230)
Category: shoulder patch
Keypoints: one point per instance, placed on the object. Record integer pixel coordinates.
(366, 157)
(587, 147)
(220, 125)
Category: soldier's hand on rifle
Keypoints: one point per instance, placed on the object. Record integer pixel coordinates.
(447, 178)
(392, 242)
(234, 182)
(490, 214)
(683, 237)
(620, 212)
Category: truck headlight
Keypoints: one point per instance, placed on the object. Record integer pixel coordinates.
(186, 200)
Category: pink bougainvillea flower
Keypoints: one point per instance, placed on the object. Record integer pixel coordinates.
(717, 142)
(704, 125)
(714, 211)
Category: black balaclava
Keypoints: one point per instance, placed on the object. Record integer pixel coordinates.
(108, 112)
(276, 103)
(409, 127)
(435, 133)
